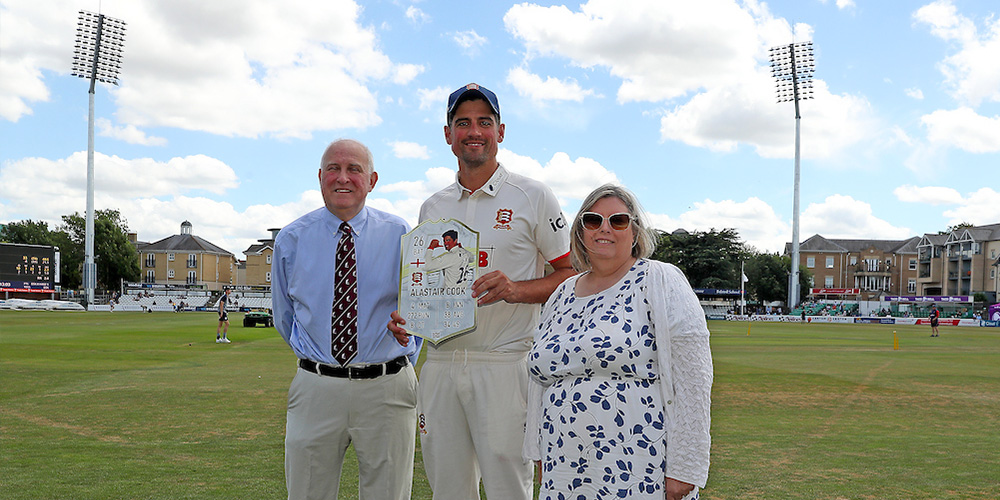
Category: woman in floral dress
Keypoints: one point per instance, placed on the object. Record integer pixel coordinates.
(621, 370)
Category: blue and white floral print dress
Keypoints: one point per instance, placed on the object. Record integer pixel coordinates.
(602, 431)
(601, 375)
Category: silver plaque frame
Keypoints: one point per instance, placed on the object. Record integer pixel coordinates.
(439, 261)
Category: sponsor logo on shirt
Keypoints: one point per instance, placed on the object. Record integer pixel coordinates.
(504, 218)
(557, 224)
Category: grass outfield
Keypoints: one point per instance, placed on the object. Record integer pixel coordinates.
(133, 405)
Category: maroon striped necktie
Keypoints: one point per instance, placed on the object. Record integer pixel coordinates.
(344, 329)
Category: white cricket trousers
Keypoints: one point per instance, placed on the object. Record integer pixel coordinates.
(473, 408)
(326, 414)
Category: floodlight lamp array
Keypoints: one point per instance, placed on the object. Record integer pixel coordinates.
(792, 67)
(97, 54)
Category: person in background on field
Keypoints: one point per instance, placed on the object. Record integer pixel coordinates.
(335, 280)
(621, 368)
(935, 317)
(473, 386)
(222, 338)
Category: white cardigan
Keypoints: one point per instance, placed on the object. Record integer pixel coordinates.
(685, 361)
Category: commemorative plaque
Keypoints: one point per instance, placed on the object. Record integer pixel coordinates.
(437, 269)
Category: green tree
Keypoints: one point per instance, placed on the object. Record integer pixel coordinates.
(38, 233)
(768, 277)
(115, 255)
(957, 227)
(26, 232)
(709, 259)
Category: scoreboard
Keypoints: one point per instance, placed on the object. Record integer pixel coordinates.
(28, 268)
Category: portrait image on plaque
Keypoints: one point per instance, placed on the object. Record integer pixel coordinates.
(437, 269)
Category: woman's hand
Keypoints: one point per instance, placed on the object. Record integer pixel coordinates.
(676, 490)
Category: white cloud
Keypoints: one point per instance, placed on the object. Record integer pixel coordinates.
(721, 118)
(403, 74)
(979, 208)
(30, 47)
(154, 197)
(755, 221)
(933, 195)
(711, 55)
(403, 149)
(417, 16)
(415, 193)
(62, 183)
(216, 221)
(685, 45)
(899, 135)
(914, 93)
(235, 68)
(963, 128)
(569, 179)
(469, 41)
(126, 133)
(550, 89)
(434, 99)
(973, 72)
(841, 216)
(844, 4)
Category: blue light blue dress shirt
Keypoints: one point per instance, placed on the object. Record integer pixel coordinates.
(302, 281)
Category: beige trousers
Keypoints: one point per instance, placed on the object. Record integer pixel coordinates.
(326, 414)
(473, 408)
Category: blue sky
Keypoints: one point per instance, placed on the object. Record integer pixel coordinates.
(225, 107)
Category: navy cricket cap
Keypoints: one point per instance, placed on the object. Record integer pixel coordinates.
(469, 91)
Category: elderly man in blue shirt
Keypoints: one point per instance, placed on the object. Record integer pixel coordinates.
(335, 281)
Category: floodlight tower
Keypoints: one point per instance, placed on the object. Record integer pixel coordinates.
(792, 66)
(97, 56)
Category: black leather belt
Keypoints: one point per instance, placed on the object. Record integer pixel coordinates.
(355, 372)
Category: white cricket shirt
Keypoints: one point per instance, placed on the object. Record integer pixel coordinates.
(520, 227)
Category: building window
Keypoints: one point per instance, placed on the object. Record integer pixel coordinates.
(913, 264)
(150, 260)
(812, 281)
(829, 262)
(829, 282)
(192, 260)
(911, 285)
(267, 276)
(170, 257)
(854, 260)
(192, 277)
(170, 273)
(810, 262)
(268, 260)
(150, 276)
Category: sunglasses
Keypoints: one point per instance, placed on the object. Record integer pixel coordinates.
(594, 221)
